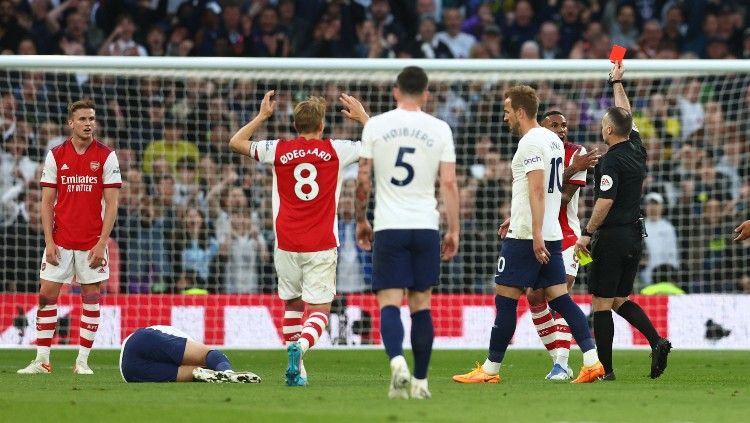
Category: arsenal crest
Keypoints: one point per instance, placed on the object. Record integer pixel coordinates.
(95, 166)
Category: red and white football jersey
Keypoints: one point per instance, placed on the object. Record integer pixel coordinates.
(80, 180)
(569, 222)
(306, 186)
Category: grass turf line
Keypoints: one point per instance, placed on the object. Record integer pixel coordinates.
(698, 386)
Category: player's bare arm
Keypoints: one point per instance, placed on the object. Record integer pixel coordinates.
(743, 231)
(502, 231)
(364, 186)
(51, 252)
(96, 256)
(601, 210)
(536, 202)
(621, 99)
(239, 141)
(449, 193)
(569, 190)
(353, 109)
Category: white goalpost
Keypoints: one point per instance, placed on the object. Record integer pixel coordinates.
(694, 118)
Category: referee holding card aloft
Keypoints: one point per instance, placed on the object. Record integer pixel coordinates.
(618, 232)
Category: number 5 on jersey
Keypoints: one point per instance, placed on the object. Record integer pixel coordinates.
(403, 151)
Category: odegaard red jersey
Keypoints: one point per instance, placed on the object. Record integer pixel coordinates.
(80, 180)
(307, 178)
(569, 222)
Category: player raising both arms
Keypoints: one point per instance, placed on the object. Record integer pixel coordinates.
(555, 333)
(77, 176)
(407, 149)
(166, 354)
(531, 257)
(306, 185)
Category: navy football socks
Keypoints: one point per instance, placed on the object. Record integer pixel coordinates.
(392, 331)
(216, 360)
(422, 335)
(505, 326)
(572, 314)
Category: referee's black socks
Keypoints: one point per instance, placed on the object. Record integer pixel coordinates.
(604, 332)
(635, 315)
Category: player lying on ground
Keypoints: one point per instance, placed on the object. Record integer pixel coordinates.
(307, 182)
(79, 176)
(166, 354)
(531, 257)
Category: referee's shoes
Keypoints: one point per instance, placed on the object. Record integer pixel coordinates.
(659, 357)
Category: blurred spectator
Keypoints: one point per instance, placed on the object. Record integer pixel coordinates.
(529, 50)
(459, 42)
(650, 41)
(625, 31)
(699, 40)
(354, 265)
(571, 25)
(16, 171)
(658, 120)
(156, 42)
(10, 32)
(197, 250)
(478, 23)
(269, 40)
(120, 41)
(595, 44)
(549, 39)
(523, 28)
(661, 242)
(7, 114)
(711, 254)
(745, 52)
(23, 242)
(675, 28)
(172, 148)
(492, 41)
(427, 45)
(245, 249)
(50, 136)
(691, 109)
(427, 8)
(187, 192)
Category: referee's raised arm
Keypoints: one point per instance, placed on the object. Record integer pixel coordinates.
(618, 232)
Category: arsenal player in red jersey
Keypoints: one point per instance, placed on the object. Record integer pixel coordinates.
(307, 176)
(80, 188)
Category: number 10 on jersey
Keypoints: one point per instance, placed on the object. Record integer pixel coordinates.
(555, 175)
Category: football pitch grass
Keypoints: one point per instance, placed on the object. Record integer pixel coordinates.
(351, 386)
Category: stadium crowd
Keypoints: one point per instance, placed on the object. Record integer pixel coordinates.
(194, 216)
(549, 29)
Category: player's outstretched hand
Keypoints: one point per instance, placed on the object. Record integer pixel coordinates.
(540, 250)
(267, 106)
(502, 231)
(96, 256)
(450, 246)
(618, 70)
(743, 231)
(586, 161)
(353, 109)
(364, 236)
(52, 254)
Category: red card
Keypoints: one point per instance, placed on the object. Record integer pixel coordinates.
(617, 53)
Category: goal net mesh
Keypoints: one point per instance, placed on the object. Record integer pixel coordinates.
(193, 243)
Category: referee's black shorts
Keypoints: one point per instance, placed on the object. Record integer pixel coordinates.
(617, 254)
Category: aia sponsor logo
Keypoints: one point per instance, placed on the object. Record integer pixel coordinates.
(95, 166)
(531, 160)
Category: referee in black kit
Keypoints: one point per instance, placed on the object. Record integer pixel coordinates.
(618, 231)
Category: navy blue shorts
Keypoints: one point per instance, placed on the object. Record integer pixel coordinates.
(517, 265)
(406, 258)
(150, 355)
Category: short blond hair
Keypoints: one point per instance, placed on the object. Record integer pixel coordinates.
(308, 114)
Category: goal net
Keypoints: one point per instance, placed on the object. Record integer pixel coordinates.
(193, 242)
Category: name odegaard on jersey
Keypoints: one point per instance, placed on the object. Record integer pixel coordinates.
(300, 153)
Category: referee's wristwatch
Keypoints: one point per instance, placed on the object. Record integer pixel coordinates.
(587, 233)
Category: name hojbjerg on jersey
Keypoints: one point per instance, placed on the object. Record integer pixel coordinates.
(414, 133)
(300, 153)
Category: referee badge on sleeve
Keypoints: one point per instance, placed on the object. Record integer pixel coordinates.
(606, 183)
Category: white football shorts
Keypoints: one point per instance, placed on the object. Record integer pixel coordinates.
(74, 262)
(311, 276)
(571, 261)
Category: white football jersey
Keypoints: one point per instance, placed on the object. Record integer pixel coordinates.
(406, 148)
(539, 149)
